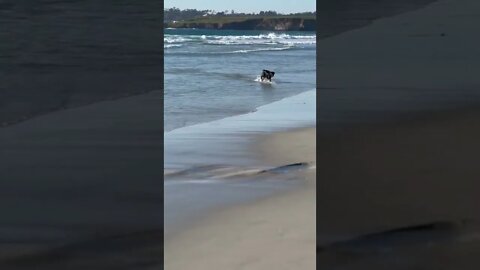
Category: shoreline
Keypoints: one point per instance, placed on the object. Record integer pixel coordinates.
(45, 68)
(290, 112)
(27, 117)
(277, 230)
(401, 167)
(386, 178)
(427, 73)
(78, 158)
(210, 165)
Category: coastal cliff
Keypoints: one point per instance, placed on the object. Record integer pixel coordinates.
(271, 24)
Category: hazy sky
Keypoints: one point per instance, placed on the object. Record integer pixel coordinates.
(281, 6)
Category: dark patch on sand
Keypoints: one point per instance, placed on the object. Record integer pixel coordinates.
(135, 250)
(385, 241)
(227, 172)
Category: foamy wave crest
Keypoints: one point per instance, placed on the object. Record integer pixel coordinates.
(165, 46)
(262, 39)
(267, 39)
(262, 49)
(175, 39)
(238, 44)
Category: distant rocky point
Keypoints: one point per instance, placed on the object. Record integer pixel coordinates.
(277, 23)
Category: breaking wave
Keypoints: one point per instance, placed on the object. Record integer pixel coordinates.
(165, 46)
(270, 39)
(263, 49)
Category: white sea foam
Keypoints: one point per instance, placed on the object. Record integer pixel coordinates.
(264, 39)
(176, 39)
(259, 79)
(165, 46)
(263, 49)
(270, 38)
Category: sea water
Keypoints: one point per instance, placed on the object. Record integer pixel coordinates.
(211, 74)
(214, 102)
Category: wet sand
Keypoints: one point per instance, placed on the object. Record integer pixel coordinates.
(274, 232)
(210, 165)
(338, 16)
(236, 238)
(400, 67)
(81, 188)
(80, 134)
(397, 143)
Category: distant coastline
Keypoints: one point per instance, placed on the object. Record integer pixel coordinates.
(270, 23)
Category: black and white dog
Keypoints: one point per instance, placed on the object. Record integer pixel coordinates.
(267, 74)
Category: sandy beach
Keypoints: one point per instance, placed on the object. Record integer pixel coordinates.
(82, 187)
(396, 177)
(400, 67)
(397, 147)
(80, 134)
(386, 118)
(397, 143)
(274, 232)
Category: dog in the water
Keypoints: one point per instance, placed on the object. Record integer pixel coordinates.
(267, 74)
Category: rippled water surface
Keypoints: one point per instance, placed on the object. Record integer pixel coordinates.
(210, 74)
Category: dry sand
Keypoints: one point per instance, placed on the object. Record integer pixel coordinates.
(277, 232)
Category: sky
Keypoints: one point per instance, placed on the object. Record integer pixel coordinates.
(247, 6)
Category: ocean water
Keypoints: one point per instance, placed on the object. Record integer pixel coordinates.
(211, 74)
(62, 54)
(213, 103)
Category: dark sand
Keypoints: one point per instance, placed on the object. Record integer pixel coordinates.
(82, 187)
(338, 16)
(397, 147)
(401, 66)
(396, 176)
(82, 208)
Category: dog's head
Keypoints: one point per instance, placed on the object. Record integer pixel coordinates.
(268, 73)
